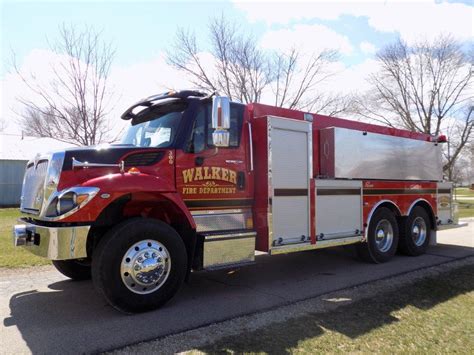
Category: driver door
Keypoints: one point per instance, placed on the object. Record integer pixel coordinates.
(215, 182)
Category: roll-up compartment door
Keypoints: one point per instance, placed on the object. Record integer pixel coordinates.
(290, 166)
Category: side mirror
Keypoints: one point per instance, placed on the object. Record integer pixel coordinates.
(220, 121)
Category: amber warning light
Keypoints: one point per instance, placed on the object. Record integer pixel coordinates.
(133, 171)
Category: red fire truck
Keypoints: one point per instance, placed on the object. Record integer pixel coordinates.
(199, 182)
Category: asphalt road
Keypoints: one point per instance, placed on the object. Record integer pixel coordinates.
(43, 312)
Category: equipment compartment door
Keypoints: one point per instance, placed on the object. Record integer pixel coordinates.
(338, 209)
(290, 168)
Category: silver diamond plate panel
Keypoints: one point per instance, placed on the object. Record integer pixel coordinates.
(215, 221)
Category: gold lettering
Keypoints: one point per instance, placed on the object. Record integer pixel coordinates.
(215, 173)
(188, 175)
(225, 174)
(209, 173)
(233, 177)
(189, 190)
(215, 190)
(207, 176)
(198, 175)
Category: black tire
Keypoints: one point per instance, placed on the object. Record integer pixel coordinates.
(378, 249)
(411, 242)
(76, 270)
(112, 251)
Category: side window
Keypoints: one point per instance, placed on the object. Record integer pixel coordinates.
(202, 128)
(236, 118)
(197, 142)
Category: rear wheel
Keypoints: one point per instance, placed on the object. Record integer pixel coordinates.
(415, 233)
(139, 265)
(76, 270)
(382, 237)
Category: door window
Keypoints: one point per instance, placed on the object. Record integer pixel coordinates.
(201, 136)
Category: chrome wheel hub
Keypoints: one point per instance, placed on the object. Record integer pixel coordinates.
(383, 235)
(145, 266)
(419, 231)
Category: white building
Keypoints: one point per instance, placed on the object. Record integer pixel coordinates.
(15, 151)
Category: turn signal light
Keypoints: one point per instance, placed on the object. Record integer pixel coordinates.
(133, 170)
(81, 198)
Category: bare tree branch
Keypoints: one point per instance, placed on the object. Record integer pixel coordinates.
(424, 87)
(243, 71)
(73, 105)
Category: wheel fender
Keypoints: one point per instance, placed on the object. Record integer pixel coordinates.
(176, 199)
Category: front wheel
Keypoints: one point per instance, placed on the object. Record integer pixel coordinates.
(382, 237)
(139, 265)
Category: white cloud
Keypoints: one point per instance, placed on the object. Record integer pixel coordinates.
(367, 47)
(351, 79)
(137, 81)
(411, 19)
(305, 38)
(129, 84)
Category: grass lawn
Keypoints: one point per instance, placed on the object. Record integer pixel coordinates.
(466, 208)
(433, 315)
(464, 191)
(11, 256)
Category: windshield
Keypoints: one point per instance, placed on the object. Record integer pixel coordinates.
(157, 127)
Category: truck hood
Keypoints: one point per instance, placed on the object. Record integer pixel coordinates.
(112, 154)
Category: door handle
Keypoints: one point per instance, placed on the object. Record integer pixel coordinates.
(241, 180)
(234, 161)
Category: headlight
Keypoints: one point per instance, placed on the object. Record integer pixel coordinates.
(66, 203)
(70, 200)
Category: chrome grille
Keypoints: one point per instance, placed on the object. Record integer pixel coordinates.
(32, 193)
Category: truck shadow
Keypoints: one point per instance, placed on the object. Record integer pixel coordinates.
(74, 318)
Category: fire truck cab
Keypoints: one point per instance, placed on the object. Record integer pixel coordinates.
(199, 182)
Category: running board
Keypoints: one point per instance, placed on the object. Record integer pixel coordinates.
(319, 245)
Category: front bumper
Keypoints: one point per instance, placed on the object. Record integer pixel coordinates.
(54, 243)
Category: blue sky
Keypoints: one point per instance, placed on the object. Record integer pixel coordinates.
(138, 30)
(142, 31)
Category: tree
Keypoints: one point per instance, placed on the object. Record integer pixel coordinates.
(460, 131)
(3, 124)
(424, 87)
(73, 105)
(241, 70)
